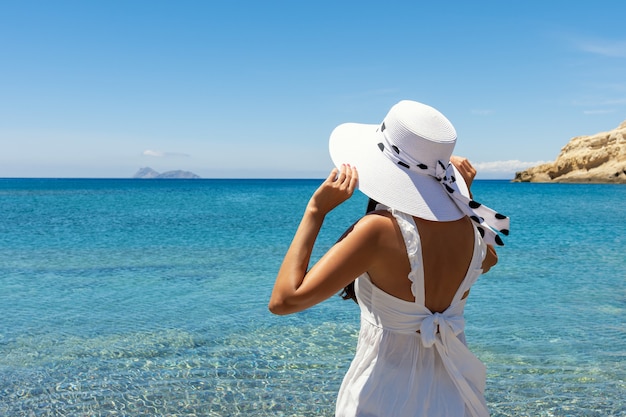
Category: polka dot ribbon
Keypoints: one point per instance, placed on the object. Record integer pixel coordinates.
(489, 222)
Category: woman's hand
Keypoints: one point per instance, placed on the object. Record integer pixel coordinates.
(337, 188)
(465, 169)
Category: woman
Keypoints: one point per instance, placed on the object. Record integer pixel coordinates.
(412, 262)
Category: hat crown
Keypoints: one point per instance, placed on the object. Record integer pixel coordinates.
(420, 131)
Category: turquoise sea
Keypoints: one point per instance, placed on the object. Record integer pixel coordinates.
(149, 298)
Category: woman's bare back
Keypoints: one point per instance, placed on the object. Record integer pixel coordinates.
(447, 249)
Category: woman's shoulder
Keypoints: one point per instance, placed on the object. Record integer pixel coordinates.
(379, 227)
(377, 219)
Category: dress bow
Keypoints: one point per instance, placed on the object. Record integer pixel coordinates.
(445, 326)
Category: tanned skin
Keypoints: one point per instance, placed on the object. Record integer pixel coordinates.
(375, 245)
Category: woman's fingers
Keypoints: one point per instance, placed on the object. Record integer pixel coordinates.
(347, 178)
(354, 180)
(466, 169)
(333, 175)
(338, 187)
(342, 173)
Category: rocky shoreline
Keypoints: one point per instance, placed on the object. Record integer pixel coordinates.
(599, 158)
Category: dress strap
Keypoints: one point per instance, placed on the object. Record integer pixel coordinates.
(475, 268)
(414, 251)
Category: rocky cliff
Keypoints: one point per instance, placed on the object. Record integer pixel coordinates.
(599, 158)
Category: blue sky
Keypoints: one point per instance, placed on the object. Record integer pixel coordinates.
(254, 88)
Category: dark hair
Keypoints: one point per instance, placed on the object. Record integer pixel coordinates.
(348, 291)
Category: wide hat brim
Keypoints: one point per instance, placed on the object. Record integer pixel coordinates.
(381, 179)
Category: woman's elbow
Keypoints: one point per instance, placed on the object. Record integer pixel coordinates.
(287, 304)
(280, 307)
(277, 308)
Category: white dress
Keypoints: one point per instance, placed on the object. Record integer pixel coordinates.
(399, 372)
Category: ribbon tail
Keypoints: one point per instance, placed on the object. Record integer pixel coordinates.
(479, 213)
(496, 220)
(472, 395)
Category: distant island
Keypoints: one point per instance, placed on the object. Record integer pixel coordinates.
(149, 173)
(599, 158)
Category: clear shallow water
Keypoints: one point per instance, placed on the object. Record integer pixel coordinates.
(130, 297)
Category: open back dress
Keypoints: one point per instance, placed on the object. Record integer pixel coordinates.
(409, 361)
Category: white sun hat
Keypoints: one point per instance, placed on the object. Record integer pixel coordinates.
(404, 163)
(411, 134)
